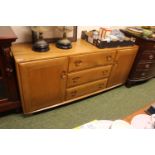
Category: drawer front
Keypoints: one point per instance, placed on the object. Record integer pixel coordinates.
(143, 74)
(147, 57)
(85, 89)
(88, 75)
(148, 46)
(85, 61)
(145, 66)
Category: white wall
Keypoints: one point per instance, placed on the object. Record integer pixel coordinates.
(24, 33)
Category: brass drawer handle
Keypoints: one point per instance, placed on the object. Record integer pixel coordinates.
(105, 72)
(78, 63)
(75, 79)
(73, 93)
(109, 58)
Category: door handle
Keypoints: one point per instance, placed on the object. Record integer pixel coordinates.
(9, 71)
(63, 75)
(78, 62)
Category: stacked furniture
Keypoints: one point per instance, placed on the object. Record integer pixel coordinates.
(59, 76)
(144, 65)
(9, 98)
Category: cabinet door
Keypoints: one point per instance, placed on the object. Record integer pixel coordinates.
(42, 83)
(122, 66)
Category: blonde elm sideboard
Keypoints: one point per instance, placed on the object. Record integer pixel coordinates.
(58, 77)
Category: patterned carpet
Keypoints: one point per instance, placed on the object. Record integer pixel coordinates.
(113, 104)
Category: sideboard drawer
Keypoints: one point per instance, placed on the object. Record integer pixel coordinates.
(88, 75)
(85, 61)
(85, 89)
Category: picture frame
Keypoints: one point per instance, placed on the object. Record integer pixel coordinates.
(54, 37)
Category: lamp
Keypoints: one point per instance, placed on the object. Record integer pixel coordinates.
(40, 45)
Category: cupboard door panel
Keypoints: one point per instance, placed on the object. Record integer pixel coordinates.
(122, 66)
(43, 83)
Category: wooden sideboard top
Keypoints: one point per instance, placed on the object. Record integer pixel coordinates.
(23, 51)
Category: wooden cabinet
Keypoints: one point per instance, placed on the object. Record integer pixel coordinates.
(9, 98)
(59, 76)
(121, 67)
(144, 65)
(43, 83)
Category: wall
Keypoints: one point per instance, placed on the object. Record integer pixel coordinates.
(24, 32)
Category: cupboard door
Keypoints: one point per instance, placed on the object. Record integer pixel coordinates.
(122, 66)
(43, 83)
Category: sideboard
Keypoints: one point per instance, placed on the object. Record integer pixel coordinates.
(58, 77)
